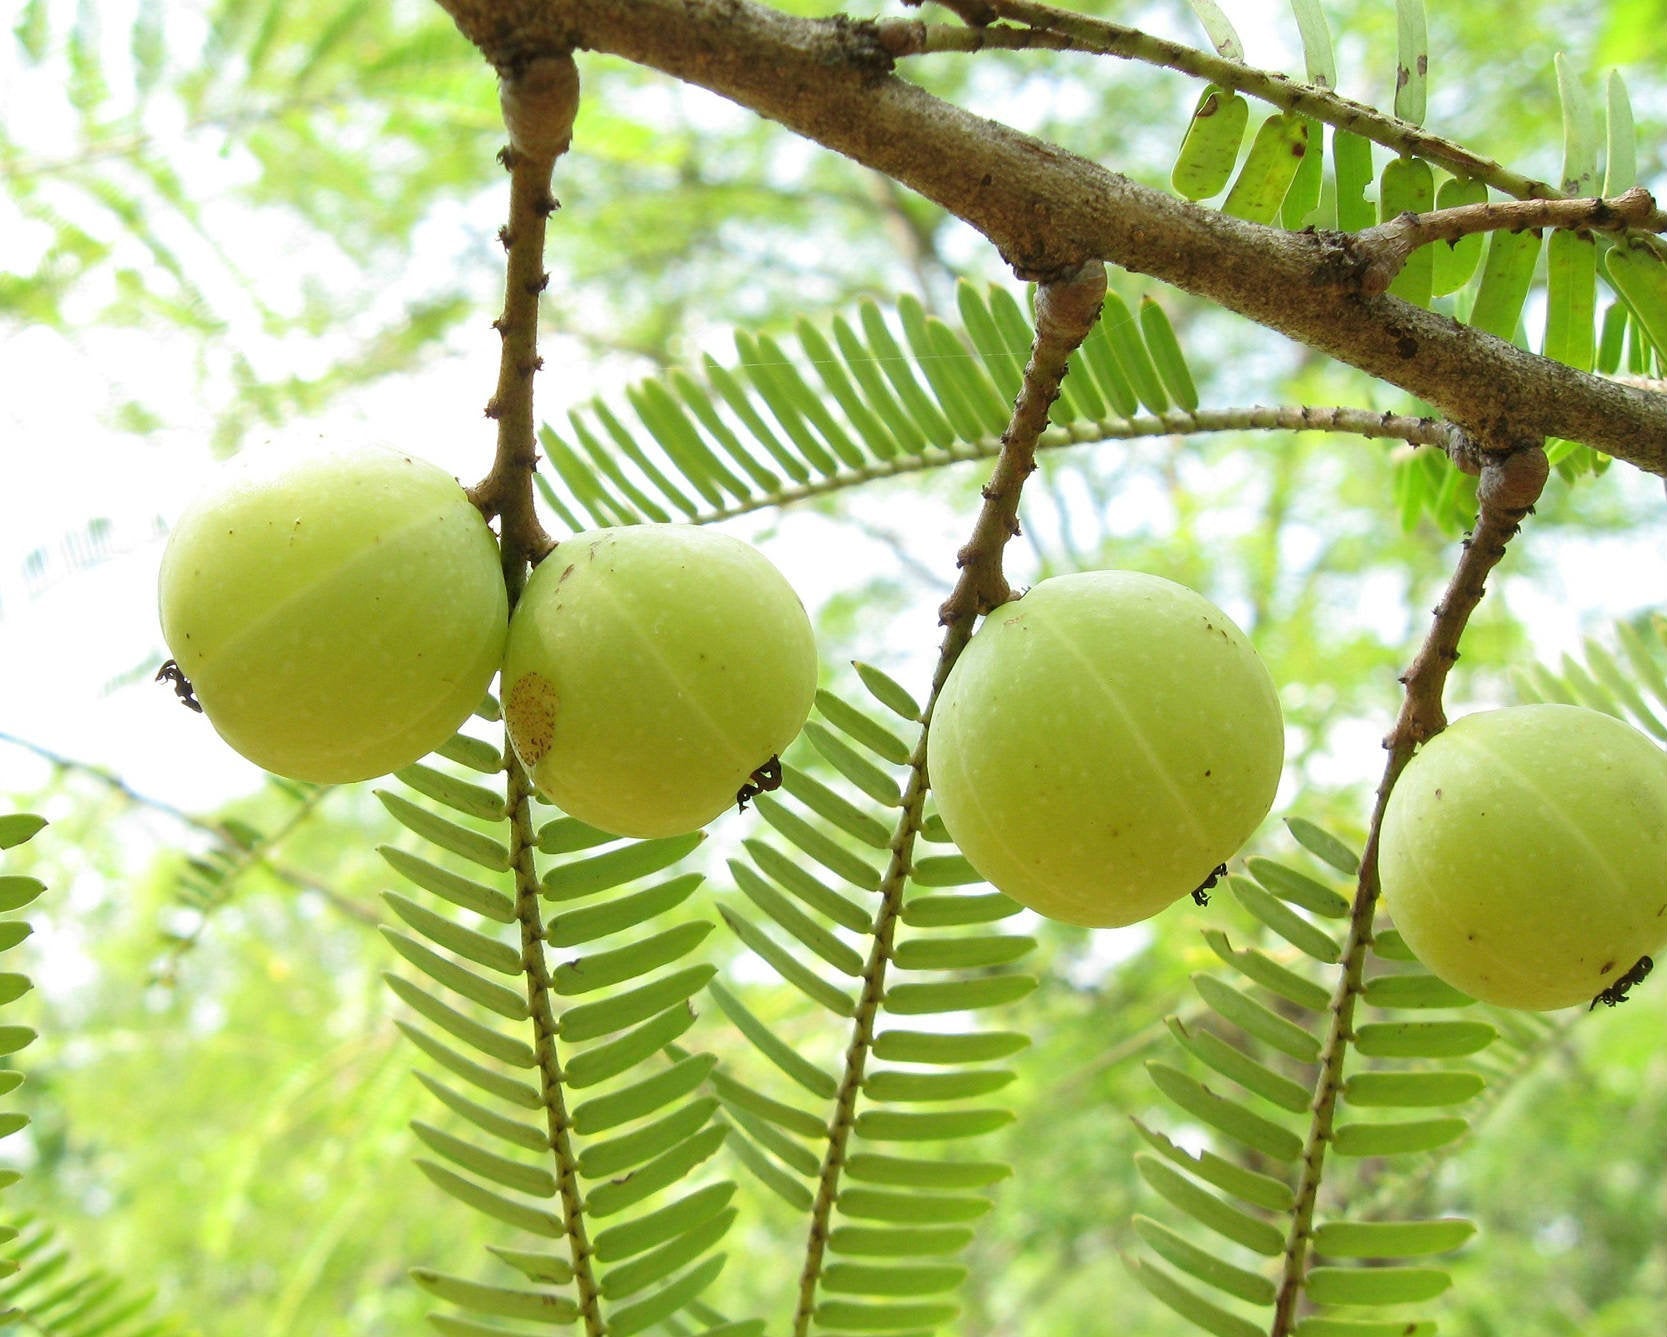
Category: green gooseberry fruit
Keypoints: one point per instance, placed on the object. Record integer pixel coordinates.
(1523, 854)
(338, 613)
(650, 671)
(1102, 744)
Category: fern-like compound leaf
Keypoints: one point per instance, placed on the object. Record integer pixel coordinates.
(574, 1105)
(1270, 1040)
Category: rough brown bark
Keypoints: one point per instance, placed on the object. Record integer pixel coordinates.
(1049, 211)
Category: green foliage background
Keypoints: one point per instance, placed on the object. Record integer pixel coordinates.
(296, 201)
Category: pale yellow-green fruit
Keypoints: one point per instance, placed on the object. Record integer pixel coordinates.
(1102, 744)
(650, 671)
(338, 613)
(1524, 854)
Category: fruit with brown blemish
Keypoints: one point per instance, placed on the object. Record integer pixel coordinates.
(650, 671)
(1524, 854)
(1104, 743)
(338, 613)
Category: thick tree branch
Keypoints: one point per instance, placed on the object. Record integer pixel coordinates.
(1049, 211)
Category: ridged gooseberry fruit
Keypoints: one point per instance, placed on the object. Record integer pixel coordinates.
(1523, 854)
(339, 613)
(1103, 743)
(650, 670)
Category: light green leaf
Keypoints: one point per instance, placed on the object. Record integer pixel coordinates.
(814, 1079)
(524, 1178)
(660, 1173)
(1621, 153)
(889, 1084)
(489, 994)
(1413, 990)
(627, 1279)
(1452, 264)
(1275, 156)
(505, 1048)
(1211, 145)
(1226, 1116)
(1408, 186)
(929, 1126)
(794, 971)
(793, 877)
(466, 942)
(574, 927)
(836, 811)
(514, 1131)
(850, 1316)
(1256, 966)
(1284, 921)
(601, 970)
(957, 995)
(1218, 29)
(1255, 1234)
(490, 1080)
(1391, 1239)
(1423, 1039)
(1393, 1139)
(1374, 1285)
(536, 1305)
(970, 952)
(601, 872)
(883, 1242)
(642, 1098)
(1262, 1022)
(1237, 1066)
(19, 827)
(874, 1204)
(1201, 1264)
(519, 1215)
(858, 769)
(477, 847)
(943, 911)
(1412, 62)
(1206, 1314)
(630, 1238)
(600, 1062)
(592, 1020)
(1507, 273)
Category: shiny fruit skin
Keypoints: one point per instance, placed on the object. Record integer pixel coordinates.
(1103, 743)
(1523, 855)
(339, 612)
(650, 670)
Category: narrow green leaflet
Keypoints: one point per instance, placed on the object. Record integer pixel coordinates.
(1452, 265)
(1218, 29)
(1352, 156)
(1210, 148)
(1621, 151)
(1276, 154)
(1316, 43)
(1580, 132)
(1166, 353)
(1412, 61)
(1507, 273)
(1408, 186)
(1206, 1314)
(1640, 276)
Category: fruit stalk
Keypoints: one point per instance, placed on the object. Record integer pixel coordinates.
(539, 100)
(1511, 480)
(1066, 310)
